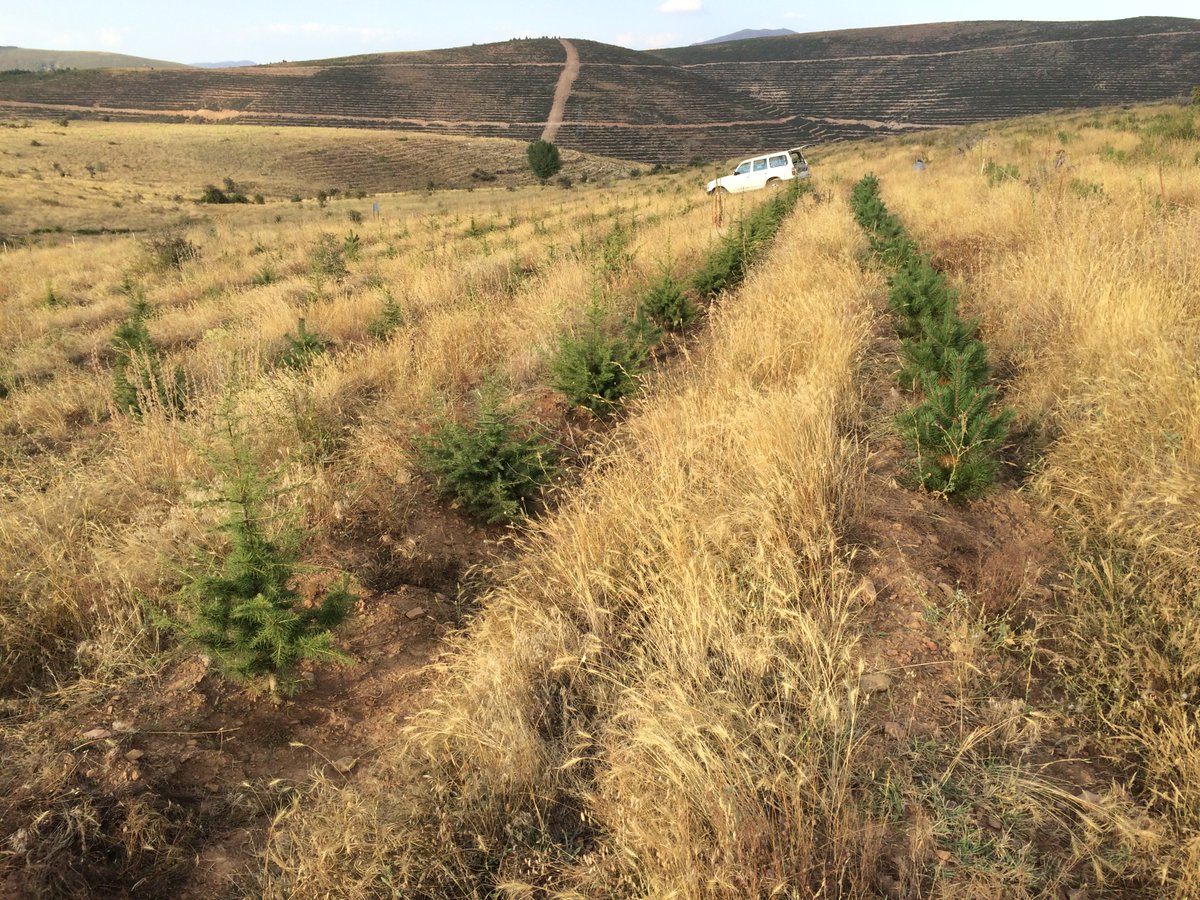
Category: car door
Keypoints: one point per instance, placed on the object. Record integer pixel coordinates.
(740, 179)
(759, 173)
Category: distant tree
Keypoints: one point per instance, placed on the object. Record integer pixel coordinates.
(544, 159)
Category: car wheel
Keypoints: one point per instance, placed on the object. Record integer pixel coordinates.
(720, 189)
(774, 184)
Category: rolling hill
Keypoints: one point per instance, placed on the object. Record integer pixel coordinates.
(27, 59)
(708, 101)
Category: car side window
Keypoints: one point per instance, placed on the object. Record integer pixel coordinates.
(777, 161)
(742, 169)
(760, 164)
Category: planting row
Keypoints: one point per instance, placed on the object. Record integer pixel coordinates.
(955, 428)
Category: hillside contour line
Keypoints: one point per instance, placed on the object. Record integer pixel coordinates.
(562, 91)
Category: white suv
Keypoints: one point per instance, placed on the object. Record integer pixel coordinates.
(763, 171)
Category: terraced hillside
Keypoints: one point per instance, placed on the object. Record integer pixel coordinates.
(671, 105)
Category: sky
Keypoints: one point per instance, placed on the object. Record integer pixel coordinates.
(272, 30)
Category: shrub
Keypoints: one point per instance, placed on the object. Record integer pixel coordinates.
(544, 159)
(169, 252)
(391, 317)
(303, 348)
(214, 194)
(954, 432)
(240, 608)
(354, 216)
(998, 174)
(327, 260)
(598, 367)
(667, 306)
(264, 276)
(917, 292)
(352, 245)
(487, 464)
(138, 382)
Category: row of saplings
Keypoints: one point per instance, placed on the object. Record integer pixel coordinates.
(954, 429)
(240, 608)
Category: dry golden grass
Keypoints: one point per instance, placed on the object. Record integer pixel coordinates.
(659, 699)
(660, 696)
(1091, 305)
(116, 176)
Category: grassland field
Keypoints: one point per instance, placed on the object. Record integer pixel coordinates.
(734, 655)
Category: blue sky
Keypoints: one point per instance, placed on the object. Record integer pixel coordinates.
(270, 30)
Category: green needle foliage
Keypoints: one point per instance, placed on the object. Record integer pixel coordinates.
(953, 433)
(667, 306)
(303, 348)
(544, 159)
(943, 340)
(138, 381)
(487, 464)
(919, 292)
(240, 609)
(597, 368)
(391, 317)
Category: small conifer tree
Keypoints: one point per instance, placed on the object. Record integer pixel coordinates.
(943, 339)
(138, 381)
(493, 469)
(954, 431)
(391, 317)
(303, 347)
(598, 367)
(240, 608)
(919, 292)
(544, 159)
(666, 304)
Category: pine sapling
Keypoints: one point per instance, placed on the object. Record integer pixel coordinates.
(917, 292)
(138, 381)
(954, 432)
(302, 348)
(391, 317)
(941, 339)
(493, 469)
(666, 304)
(241, 609)
(598, 367)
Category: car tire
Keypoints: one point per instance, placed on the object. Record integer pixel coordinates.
(720, 189)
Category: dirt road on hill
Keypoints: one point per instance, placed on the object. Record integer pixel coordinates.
(562, 91)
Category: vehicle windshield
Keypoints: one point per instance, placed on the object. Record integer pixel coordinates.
(742, 169)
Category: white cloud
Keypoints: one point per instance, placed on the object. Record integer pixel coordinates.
(681, 6)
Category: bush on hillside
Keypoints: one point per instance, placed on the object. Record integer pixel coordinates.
(954, 432)
(302, 348)
(169, 252)
(667, 306)
(488, 464)
(597, 368)
(544, 159)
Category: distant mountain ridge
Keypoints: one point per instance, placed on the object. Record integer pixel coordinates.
(747, 34)
(31, 60)
(710, 101)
